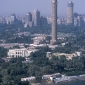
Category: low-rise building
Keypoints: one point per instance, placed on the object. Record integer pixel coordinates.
(28, 78)
(47, 77)
(49, 55)
(79, 53)
(22, 52)
(68, 56)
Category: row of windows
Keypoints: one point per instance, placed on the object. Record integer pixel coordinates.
(18, 52)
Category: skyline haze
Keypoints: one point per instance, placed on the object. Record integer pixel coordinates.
(44, 6)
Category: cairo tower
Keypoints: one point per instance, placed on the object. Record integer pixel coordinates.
(54, 21)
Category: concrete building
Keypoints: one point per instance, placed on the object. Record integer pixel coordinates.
(49, 20)
(59, 21)
(70, 13)
(28, 19)
(36, 17)
(80, 20)
(54, 21)
(28, 78)
(13, 18)
(49, 55)
(68, 56)
(75, 21)
(39, 39)
(84, 18)
(47, 77)
(79, 53)
(23, 52)
(43, 21)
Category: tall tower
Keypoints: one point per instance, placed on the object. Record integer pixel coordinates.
(54, 21)
(70, 13)
(36, 17)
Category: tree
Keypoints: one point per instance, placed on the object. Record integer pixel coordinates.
(24, 83)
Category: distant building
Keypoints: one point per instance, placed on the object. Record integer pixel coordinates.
(13, 18)
(39, 39)
(36, 17)
(68, 56)
(49, 20)
(28, 79)
(43, 21)
(79, 53)
(70, 13)
(80, 20)
(75, 21)
(28, 19)
(59, 21)
(84, 18)
(23, 52)
(47, 77)
(49, 55)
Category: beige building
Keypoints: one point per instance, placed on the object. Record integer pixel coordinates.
(68, 56)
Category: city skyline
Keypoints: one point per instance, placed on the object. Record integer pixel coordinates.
(23, 6)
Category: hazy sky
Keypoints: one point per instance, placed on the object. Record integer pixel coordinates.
(44, 6)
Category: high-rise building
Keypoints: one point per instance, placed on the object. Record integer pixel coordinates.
(28, 20)
(13, 18)
(28, 17)
(75, 19)
(43, 21)
(54, 21)
(80, 20)
(70, 13)
(36, 17)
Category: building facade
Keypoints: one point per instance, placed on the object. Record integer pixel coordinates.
(36, 17)
(70, 12)
(28, 18)
(23, 52)
(43, 21)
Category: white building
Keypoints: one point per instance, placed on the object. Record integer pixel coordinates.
(55, 75)
(28, 78)
(79, 53)
(49, 55)
(23, 52)
(46, 76)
